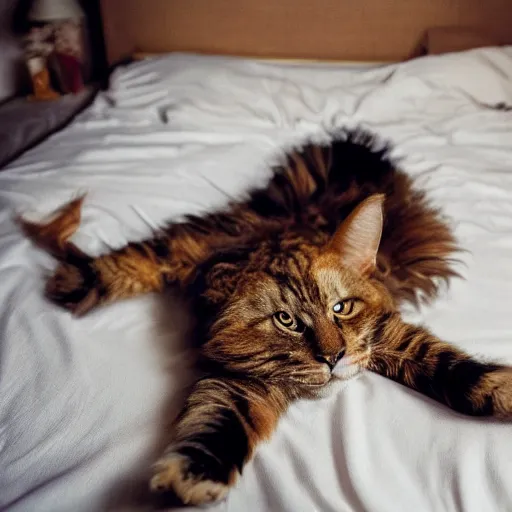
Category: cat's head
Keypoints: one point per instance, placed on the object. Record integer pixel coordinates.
(299, 308)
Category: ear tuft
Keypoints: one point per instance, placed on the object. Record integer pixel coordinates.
(357, 239)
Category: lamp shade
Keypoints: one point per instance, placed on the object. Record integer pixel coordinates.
(49, 10)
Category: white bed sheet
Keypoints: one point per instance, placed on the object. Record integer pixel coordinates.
(83, 401)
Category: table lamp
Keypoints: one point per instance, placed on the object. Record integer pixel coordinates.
(53, 10)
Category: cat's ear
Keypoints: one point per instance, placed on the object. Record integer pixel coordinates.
(357, 239)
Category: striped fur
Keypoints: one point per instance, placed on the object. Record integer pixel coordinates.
(413, 357)
(266, 276)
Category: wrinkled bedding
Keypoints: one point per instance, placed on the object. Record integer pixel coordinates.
(84, 402)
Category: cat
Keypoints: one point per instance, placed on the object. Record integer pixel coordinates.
(301, 276)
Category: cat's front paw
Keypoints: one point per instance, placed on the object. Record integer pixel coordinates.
(74, 287)
(195, 480)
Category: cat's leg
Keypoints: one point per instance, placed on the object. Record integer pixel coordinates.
(415, 358)
(82, 282)
(214, 437)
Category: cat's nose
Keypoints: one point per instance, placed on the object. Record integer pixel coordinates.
(331, 359)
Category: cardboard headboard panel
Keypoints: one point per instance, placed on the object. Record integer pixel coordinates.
(362, 30)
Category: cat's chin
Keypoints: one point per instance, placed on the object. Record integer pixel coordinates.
(347, 372)
(340, 376)
(348, 367)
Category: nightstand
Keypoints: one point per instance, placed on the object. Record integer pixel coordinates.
(25, 123)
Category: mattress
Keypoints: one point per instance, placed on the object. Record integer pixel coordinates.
(84, 403)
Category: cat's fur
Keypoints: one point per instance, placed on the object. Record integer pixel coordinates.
(304, 272)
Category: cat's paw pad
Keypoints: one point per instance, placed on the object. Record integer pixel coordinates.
(177, 474)
(73, 287)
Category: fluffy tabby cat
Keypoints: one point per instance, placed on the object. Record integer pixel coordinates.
(303, 273)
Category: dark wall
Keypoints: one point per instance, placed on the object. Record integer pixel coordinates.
(11, 67)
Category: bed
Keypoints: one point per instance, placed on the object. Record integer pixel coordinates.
(84, 403)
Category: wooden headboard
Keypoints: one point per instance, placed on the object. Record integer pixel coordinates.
(364, 30)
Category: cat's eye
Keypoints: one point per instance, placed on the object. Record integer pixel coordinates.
(344, 308)
(288, 322)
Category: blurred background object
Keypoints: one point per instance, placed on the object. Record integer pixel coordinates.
(57, 39)
(49, 50)
(18, 17)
